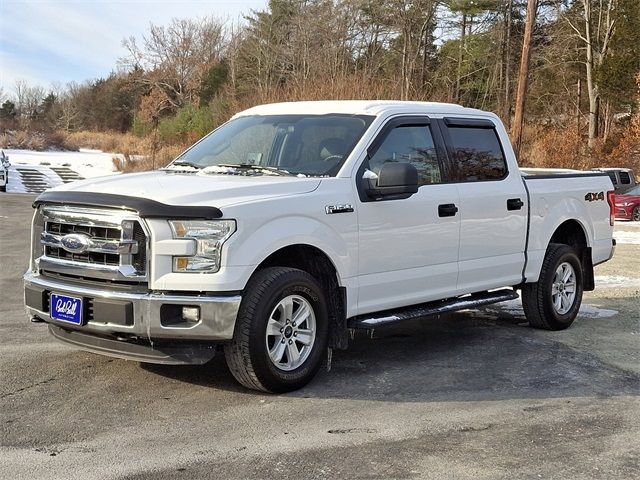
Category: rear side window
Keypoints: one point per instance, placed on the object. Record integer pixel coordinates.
(476, 154)
(612, 176)
(625, 178)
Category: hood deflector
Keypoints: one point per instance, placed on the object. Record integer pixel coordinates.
(146, 208)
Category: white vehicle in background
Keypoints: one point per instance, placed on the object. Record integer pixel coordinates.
(294, 223)
(4, 171)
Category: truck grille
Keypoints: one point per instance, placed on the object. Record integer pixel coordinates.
(103, 233)
(91, 244)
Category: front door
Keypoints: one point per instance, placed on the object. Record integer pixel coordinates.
(408, 248)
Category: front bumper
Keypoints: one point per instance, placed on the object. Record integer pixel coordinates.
(129, 317)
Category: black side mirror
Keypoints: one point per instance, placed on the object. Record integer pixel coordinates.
(395, 181)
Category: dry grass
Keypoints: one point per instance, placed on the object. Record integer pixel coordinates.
(111, 142)
(149, 161)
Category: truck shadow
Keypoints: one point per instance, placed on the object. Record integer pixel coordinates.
(467, 356)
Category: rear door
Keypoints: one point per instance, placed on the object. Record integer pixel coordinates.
(493, 206)
(408, 248)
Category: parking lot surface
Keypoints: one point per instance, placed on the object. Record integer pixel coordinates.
(476, 394)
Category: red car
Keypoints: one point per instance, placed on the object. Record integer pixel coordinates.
(628, 205)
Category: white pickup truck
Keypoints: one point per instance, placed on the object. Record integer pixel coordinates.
(4, 171)
(294, 223)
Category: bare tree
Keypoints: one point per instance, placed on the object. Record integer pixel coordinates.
(173, 59)
(599, 27)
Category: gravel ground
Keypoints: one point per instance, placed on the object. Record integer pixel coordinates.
(471, 395)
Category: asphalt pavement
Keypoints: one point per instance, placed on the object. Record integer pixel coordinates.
(475, 394)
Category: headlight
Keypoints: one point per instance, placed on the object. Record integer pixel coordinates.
(209, 237)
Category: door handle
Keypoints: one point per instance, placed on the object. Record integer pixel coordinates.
(514, 204)
(447, 210)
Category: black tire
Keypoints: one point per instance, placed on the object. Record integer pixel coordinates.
(3, 188)
(537, 298)
(635, 216)
(247, 355)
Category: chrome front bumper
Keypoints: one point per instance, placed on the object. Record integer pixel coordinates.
(135, 317)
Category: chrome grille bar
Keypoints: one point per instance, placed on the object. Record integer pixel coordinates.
(98, 245)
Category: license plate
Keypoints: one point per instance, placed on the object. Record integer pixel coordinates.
(66, 309)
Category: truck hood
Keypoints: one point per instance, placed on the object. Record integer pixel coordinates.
(195, 189)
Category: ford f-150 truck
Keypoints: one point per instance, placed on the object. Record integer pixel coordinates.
(293, 224)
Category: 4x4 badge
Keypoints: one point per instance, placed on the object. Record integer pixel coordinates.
(592, 197)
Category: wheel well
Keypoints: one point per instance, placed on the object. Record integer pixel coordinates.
(315, 262)
(571, 233)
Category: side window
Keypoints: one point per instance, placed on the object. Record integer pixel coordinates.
(625, 178)
(476, 154)
(410, 144)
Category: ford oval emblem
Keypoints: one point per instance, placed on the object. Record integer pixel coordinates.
(75, 243)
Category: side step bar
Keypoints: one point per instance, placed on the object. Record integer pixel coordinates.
(389, 317)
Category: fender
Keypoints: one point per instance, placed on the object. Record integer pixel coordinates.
(544, 223)
(341, 248)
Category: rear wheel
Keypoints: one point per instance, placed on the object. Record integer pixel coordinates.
(553, 302)
(281, 333)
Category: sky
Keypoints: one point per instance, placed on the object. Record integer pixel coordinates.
(58, 41)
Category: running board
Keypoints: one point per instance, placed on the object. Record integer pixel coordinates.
(389, 317)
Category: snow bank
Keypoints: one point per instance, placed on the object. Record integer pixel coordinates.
(35, 172)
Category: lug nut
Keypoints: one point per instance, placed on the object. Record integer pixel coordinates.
(295, 334)
(293, 324)
(290, 342)
(283, 340)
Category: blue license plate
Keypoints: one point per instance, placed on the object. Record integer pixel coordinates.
(66, 309)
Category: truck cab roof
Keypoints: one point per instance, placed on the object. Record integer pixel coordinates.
(360, 107)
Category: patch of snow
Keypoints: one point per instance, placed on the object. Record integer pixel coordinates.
(377, 321)
(627, 237)
(616, 281)
(180, 168)
(218, 169)
(514, 308)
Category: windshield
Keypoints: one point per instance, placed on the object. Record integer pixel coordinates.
(297, 144)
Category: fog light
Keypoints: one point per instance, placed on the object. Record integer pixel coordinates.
(191, 314)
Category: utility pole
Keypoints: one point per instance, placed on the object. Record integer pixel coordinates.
(523, 76)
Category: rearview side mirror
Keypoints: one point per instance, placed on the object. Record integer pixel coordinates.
(395, 181)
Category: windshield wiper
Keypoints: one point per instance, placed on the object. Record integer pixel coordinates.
(250, 166)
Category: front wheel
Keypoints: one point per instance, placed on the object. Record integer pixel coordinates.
(635, 216)
(281, 333)
(553, 302)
